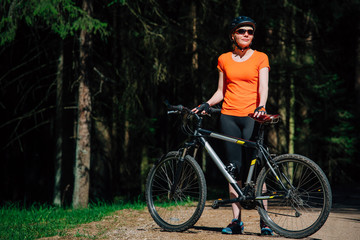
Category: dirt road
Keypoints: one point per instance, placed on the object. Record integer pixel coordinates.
(342, 224)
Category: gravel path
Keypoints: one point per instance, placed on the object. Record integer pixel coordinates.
(343, 223)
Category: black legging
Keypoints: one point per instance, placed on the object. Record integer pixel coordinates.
(240, 127)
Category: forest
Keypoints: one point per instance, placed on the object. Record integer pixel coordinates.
(82, 86)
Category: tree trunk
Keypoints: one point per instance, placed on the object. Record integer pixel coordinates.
(83, 149)
(292, 110)
(281, 93)
(195, 68)
(194, 53)
(59, 128)
(357, 83)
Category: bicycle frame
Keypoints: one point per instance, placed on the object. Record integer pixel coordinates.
(218, 162)
(200, 135)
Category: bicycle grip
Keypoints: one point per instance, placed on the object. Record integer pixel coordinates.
(173, 108)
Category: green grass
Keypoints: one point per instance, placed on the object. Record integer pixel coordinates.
(17, 222)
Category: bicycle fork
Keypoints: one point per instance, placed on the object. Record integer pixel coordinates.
(178, 172)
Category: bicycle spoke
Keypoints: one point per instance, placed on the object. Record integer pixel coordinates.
(306, 205)
(176, 205)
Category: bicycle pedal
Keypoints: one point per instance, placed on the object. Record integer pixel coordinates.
(216, 204)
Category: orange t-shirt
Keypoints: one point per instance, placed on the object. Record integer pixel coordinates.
(241, 83)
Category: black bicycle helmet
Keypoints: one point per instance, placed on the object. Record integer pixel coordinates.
(241, 21)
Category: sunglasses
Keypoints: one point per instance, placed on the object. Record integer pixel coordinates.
(243, 31)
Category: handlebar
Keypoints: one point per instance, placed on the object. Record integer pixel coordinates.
(181, 110)
(178, 109)
(189, 127)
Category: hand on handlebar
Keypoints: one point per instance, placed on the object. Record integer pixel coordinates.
(259, 111)
(203, 108)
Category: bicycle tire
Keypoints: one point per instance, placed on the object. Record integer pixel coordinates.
(182, 210)
(306, 209)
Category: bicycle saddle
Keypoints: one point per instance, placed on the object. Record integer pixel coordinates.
(266, 118)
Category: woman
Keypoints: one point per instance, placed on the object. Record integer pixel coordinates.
(243, 88)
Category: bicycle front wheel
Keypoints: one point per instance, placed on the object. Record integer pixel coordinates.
(299, 202)
(176, 205)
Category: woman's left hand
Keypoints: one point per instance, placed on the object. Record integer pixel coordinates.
(259, 111)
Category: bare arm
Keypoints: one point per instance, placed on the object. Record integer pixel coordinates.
(263, 87)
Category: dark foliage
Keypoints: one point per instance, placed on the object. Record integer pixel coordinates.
(149, 51)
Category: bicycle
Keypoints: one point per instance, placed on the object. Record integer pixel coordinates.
(291, 193)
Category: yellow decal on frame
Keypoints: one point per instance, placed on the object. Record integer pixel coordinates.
(240, 142)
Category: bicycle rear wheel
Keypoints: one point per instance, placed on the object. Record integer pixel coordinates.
(304, 209)
(181, 208)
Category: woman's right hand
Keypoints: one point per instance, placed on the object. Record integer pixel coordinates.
(202, 108)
